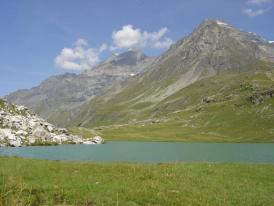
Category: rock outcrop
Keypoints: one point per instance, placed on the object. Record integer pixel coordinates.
(259, 97)
(94, 140)
(18, 127)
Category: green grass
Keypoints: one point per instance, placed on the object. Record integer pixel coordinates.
(83, 132)
(213, 123)
(40, 182)
(43, 143)
(239, 121)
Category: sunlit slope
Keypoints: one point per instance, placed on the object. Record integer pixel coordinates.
(227, 107)
(215, 84)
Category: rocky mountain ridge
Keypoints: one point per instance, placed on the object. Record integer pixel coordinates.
(57, 95)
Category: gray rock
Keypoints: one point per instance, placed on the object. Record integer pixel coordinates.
(50, 128)
(97, 140)
(62, 130)
(94, 140)
(41, 133)
(19, 129)
(259, 97)
(15, 143)
(21, 132)
(89, 142)
(207, 99)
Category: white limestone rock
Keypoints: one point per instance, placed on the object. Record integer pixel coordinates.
(21, 132)
(41, 133)
(94, 140)
(97, 140)
(89, 142)
(20, 127)
(15, 143)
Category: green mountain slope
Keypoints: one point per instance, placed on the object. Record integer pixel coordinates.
(230, 106)
(214, 85)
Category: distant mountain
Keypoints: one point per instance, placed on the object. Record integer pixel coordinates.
(217, 82)
(57, 95)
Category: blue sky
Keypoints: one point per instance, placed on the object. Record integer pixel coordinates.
(34, 33)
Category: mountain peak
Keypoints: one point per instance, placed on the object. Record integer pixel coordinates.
(129, 57)
(214, 23)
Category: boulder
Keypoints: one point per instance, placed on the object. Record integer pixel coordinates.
(2, 113)
(61, 138)
(41, 133)
(94, 140)
(8, 138)
(50, 128)
(32, 139)
(63, 130)
(21, 132)
(207, 99)
(77, 139)
(97, 140)
(15, 143)
(7, 134)
(89, 142)
(22, 108)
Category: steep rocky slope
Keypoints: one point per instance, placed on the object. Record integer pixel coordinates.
(215, 66)
(20, 127)
(57, 95)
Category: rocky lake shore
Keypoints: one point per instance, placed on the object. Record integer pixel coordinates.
(21, 127)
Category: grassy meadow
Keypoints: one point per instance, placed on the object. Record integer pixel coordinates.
(41, 182)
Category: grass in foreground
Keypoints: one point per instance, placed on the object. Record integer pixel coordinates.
(40, 182)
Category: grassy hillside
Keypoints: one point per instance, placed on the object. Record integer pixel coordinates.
(39, 182)
(217, 84)
(233, 106)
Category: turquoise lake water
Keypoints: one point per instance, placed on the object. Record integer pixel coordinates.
(122, 151)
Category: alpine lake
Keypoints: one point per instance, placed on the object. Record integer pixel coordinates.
(149, 152)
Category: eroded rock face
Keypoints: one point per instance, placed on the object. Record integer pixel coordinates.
(20, 127)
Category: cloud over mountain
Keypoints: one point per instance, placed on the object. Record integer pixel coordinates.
(255, 12)
(128, 37)
(80, 57)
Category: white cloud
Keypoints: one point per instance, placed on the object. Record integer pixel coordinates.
(129, 37)
(164, 43)
(103, 47)
(79, 57)
(255, 12)
(126, 37)
(81, 42)
(258, 2)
